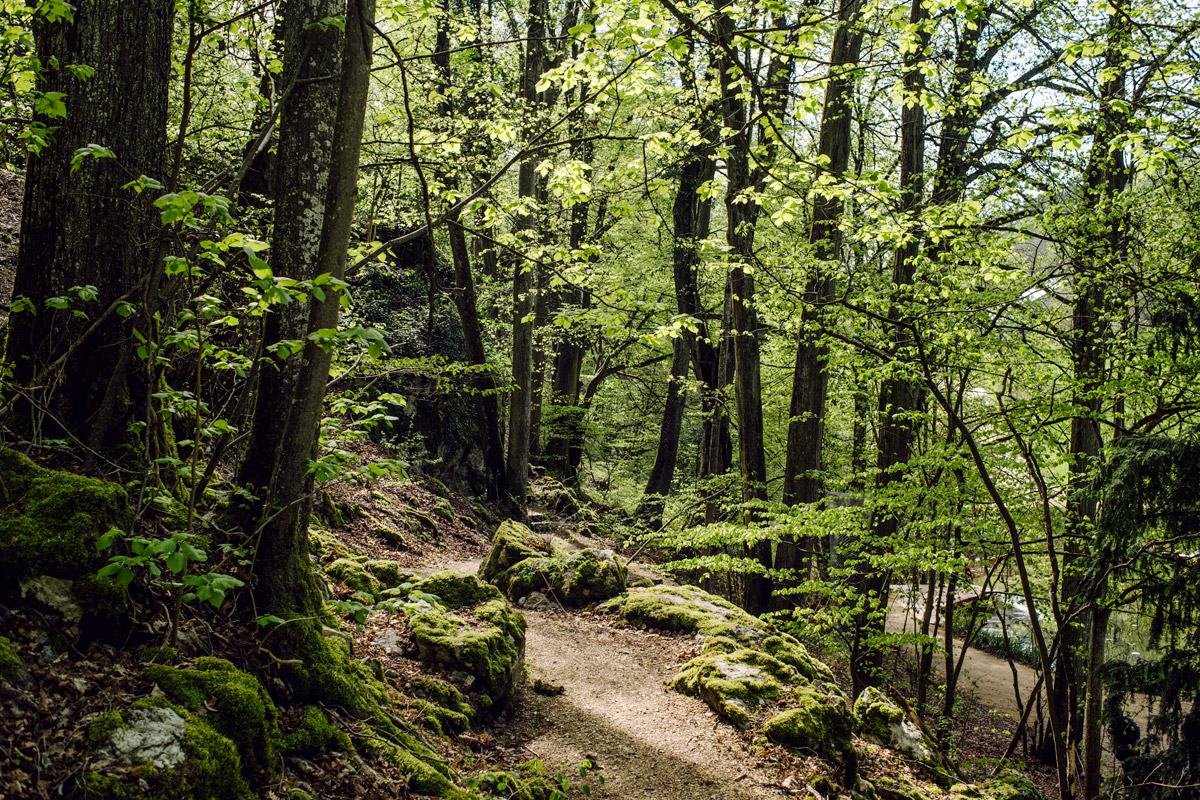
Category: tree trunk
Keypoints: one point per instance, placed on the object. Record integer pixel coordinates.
(899, 395)
(658, 485)
(79, 227)
(810, 382)
(301, 178)
(524, 278)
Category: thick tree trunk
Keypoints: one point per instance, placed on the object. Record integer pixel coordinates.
(810, 381)
(311, 55)
(81, 228)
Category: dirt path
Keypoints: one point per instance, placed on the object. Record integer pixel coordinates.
(651, 743)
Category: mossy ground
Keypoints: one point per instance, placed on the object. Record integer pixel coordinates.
(11, 664)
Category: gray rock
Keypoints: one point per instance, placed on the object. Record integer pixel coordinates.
(150, 734)
(54, 593)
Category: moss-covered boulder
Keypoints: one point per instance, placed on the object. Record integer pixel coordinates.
(733, 680)
(819, 722)
(686, 609)
(884, 723)
(484, 641)
(1009, 786)
(590, 576)
(182, 756)
(51, 520)
(354, 574)
(511, 543)
(235, 705)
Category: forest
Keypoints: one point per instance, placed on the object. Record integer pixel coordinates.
(852, 343)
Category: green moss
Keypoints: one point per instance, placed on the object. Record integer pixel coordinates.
(1009, 786)
(442, 693)
(898, 788)
(527, 782)
(680, 608)
(212, 768)
(326, 546)
(316, 734)
(439, 719)
(733, 680)
(103, 599)
(11, 664)
(354, 574)
(389, 573)
(491, 647)
(239, 707)
(791, 652)
(456, 590)
(52, 520)
(511, 544)
(422, 776)
(102, 727)
(818, 723)
(876, 716)
(538, 574)
(444, 511)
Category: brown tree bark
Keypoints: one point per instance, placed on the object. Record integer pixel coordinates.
(662, 473)
(810, 381)
(81, 228)
(520, 405)
(311, 55)
(284, 583)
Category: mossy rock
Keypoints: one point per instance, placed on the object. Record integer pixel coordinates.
(456, 590)
(898, 788)
(537, 574)
(489, 647)
(354, 574)
(423, 776)
(316, 734)
(819, 722)
(884, 723)
(12, 667)
(442, 693)
(1009, 786)
(592, 576)
(439, 719)
(182, 755)
(512, 543)
(682, 608)
(390, 573)
(734, 681)
(237, 706)
(788, 650)
(52, 520)
(325, 672)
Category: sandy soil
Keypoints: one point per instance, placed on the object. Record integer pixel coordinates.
(651, 743)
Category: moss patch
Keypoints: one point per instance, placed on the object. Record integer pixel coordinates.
(212, 767)
(316, 734)
(511, 544)
(52, 520)
(733, 680)
(681, 608)
(241, 710)
(355, 575)
(1009, 786)
(819, 722)
(11, 665)
(490, 648)
(389, 573)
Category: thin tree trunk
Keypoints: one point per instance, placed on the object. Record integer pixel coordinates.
(658, 485)
(520, 405)
(899, 396)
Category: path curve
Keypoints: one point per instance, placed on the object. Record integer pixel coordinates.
(616, 710)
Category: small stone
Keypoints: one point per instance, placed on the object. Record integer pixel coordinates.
(150, 734)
